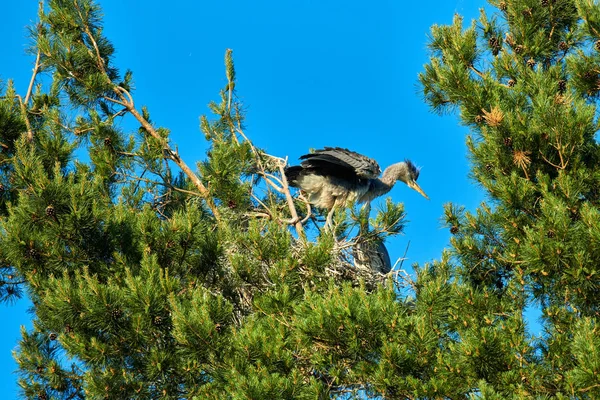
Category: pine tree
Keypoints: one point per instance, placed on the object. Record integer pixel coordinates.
(154, 279)
(531, 109)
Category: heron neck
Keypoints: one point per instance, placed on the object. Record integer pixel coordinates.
(391, 174)
(379, 187)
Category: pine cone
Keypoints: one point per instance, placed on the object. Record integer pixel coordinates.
(545, 3)
(478, 119)
(508, 142)
(454, 229)
(157, 321)
(42, 396)
(574, 214)
(511, 82)
(107, 141)
(562, 86)
(489, 167)
(53, 336)
(519, 48)
(231, 204)
(50, 211)
(550, 234)
(494, 45)
(597, 45)
(531, 63)
(590, 76)
(503, 6)
(116, 313)
(33, 253)
(563, 46)
(2, 188)
(68, 329)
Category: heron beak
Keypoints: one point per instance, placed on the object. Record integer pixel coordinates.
(414, 185)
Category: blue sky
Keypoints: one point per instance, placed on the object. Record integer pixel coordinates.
(311, 74)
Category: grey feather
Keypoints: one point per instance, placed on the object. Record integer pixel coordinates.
(372, 255)
(355, 164)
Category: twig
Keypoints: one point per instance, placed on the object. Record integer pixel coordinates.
(273, 185)
(26, 118)
(124, 153)
(257, 214)
(91, 37)
(260, 202)
(33, 75)
(551, 163)
(308, 209)
(122, 103)
(290, 202)
(164, 183)
(129, 96)
(477, 71)
(271, 176)
(401, 260)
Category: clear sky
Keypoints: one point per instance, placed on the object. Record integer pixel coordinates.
(311, 74)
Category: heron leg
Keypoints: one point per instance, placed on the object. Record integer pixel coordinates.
(329, 221)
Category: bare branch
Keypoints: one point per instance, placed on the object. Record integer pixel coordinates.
(308, 209)
(290, 202)
(401, 260)
(122, 103)
(32, 81)
(551, 163)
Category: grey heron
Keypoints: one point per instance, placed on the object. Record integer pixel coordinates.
(372, 255)
(335, 177)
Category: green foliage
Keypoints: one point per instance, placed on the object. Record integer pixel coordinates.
(145, 283)
(527, 88)
(151, 280)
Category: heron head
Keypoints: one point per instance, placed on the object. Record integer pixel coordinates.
(410, 176)
(404, 171)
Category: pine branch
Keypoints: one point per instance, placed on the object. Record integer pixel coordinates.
(204, 192)
(126, 100)
(25, 118)
(284, 189)
(87, 30)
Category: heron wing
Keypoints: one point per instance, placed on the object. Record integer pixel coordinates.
(373, 255)
(336, 160)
